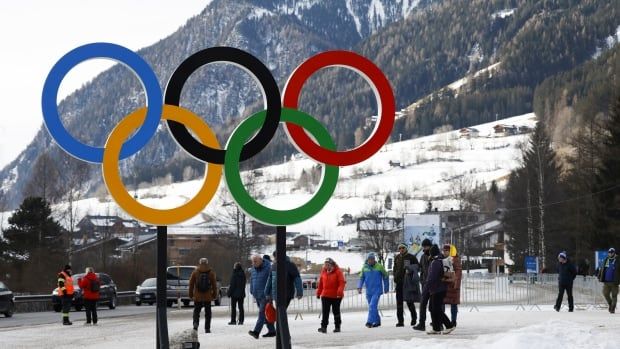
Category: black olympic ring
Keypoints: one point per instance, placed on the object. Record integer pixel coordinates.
(249, 63)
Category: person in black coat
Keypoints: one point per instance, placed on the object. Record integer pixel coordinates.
(403, 262)
(436, 288)
(425, 262)
(236, 292)
(566, 274)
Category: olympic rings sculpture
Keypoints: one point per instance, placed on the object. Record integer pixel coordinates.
(206, 148)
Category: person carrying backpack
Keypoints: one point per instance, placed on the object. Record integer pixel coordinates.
(90, 285)
(203, 290)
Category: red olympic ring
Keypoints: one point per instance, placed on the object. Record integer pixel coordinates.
(385, 102)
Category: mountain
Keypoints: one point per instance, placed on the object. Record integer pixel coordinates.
(281, 33)
(451, 64)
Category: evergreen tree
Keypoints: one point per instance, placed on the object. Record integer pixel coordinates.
(534, 220)
(608, 183)
(34, 246)
(31, 227)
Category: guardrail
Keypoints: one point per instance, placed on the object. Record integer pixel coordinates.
(43, 302)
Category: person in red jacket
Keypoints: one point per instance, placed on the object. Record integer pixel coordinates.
(90, 285)
(331, 291)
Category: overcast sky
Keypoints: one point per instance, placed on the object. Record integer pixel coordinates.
(35, 34)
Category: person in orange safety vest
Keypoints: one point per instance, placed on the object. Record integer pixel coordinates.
(65, 293)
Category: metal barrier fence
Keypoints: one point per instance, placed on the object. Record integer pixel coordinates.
(37, 303)
(524, 292)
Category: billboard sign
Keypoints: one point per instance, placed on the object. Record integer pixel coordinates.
(531, 264)
(418, 227)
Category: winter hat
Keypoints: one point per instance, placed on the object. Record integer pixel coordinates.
(371, 255)
(330, 261)
(435, 250)
(402, 245)
(267, 257)
(426, 242)
(67, 267)
(562, 255)
(612, 250)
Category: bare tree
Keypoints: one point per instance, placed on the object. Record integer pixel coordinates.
(231, 215)
(377, 232)
(462, 190)
(72, 178)
(44, 179)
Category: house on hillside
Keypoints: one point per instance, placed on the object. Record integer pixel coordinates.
(525, 129)
(103, 227)
(469, 132)
(261, 229)
(501, 130)
(183, 239)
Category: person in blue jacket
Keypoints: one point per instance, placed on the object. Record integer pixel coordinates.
(259, 273)
(377, 282)
(293, 284)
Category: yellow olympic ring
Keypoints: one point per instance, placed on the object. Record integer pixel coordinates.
(116, 188)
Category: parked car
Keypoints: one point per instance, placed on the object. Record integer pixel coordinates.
(107, 292)
(146, 292)
(177, 282)
(309, 281)
(354, 248)
(7, 302)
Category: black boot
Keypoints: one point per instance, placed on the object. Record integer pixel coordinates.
(322, 329)
(419, 327)
(65, 321)
(337, 329)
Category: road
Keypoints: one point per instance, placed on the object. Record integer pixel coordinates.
(42, 318)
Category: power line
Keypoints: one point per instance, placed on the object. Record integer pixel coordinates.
(566, 200)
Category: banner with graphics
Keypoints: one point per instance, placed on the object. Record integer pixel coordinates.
(418, 227)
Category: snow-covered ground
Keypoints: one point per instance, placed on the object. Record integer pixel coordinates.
(490, 328)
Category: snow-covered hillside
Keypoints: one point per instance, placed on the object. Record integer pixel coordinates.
(412, 172)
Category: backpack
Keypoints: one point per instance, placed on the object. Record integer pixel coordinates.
(204, 282)
(94, 285)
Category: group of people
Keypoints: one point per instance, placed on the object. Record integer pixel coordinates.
(608, 274)
(89, 284)
(434, 281)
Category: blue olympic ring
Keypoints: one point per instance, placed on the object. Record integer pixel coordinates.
(122, 55)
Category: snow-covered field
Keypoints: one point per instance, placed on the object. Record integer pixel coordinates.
(490, 328)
